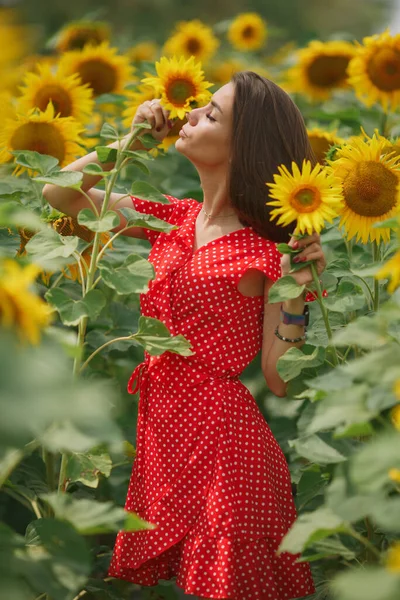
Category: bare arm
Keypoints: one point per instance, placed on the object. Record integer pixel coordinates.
(71, 202)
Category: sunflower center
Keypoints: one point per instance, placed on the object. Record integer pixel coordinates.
(370, 189)
(41, 137)
(328, 71)
(179, 90)
(81, 38)
(320, 146)
(384, 69)
(305, 199)
(101, 76)
(248, 32)
(60, 98)
(193, 45)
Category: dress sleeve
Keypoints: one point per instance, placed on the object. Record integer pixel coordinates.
(167, 212)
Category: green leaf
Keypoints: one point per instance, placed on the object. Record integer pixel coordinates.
(328, 548)
(286, 249)
(66, 551)
(148, 141)
(9, 242)
(312, 484)
(131, 277)
(50, 250)
(73, 311)
(95, 169)
(366, 332)
(137, 219)
(341, 409)
(155, 337)
(105, 154)
(90, 517)
(140, 165)
(42, 163)
(109, 132)
(315, 449)
(138, 154)
(368, 271)
(142, 189)
(386, 514)
(368, 583)
(312, 527)
(369, 468)
(285, 288)
(348, 297)
(64, 179)
(109, 220)
(88, 467)
(292, 363)
(392, 223)
(143, 125)
(12, 214)
(118, 99)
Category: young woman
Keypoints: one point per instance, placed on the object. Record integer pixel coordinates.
(209, 473)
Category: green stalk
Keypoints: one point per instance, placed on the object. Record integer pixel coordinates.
(384, 123)
(62, 480)
(324, 312)
(363, 540)
(376, 258)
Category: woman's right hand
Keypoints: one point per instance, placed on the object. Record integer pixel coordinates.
(157, 116)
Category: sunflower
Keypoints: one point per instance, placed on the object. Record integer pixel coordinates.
(321, 141)
(394, 475)
(248, 31)
(180, 84)
(371, 188)
(20, 308)
(374, 72)
(310, 196)
(222, 72)
(134, 99)
(77, 34)
(391, 270)
(192, 38)
(100, 67)
(66, 225)
(392, 561)
(15, 45)
(395, 416)
(321, 67)
(43, 132)
(142, 52)
(69, 97)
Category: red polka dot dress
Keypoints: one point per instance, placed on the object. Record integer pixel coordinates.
(208, 472)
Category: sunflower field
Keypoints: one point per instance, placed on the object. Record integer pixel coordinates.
(70, 328)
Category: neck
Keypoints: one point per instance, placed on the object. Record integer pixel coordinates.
(216, 201)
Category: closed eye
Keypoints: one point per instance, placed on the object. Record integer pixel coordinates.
(211, 118)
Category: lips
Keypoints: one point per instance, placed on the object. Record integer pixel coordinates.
(182, 133)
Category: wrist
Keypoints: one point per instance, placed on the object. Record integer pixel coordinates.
(294, 306)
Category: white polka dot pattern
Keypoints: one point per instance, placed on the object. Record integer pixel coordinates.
(208, 472)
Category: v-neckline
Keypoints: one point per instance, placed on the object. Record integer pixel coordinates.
(221, 237)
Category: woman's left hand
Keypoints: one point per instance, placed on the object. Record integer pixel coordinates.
(311, 249)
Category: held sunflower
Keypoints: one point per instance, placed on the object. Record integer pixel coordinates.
(75, 35)
(371, 187)
(248, 31)
(192, 38)
(69, 97)
(374, 72)
(20, 308)
(100, 67)
(321, 68)
(43, 132)
(134, 98)
(308, 196)
(180, 84)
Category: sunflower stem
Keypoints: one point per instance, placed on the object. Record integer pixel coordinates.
(384, 123)
(376, 258)
(324, 312)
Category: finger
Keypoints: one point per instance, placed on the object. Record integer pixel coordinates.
(309, 239)
(144, 113)
(307, 251)
(160, 121)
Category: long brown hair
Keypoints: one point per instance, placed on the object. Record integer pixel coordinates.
(268, 131)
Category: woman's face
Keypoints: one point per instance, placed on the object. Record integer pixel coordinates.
(206, 137)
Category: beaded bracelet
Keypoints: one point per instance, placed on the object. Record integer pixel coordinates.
(290, 340)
